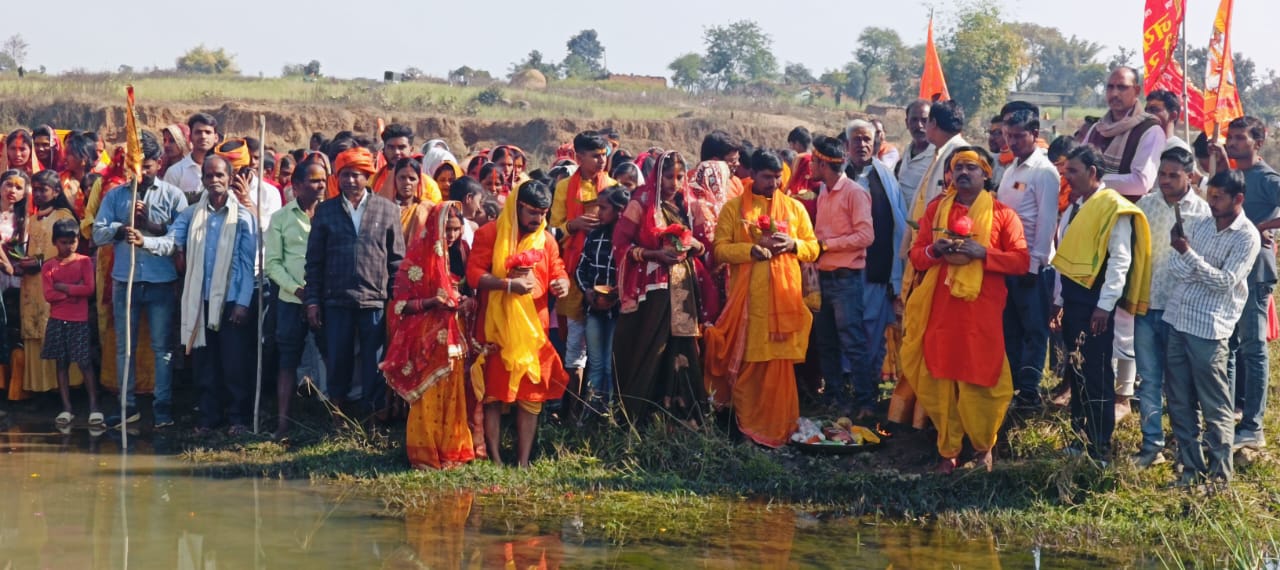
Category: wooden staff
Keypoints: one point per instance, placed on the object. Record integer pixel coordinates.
(128, 321)
(262, 166)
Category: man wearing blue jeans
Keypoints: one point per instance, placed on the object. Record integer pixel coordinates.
(844, 231)
(154, 287)
(1245, 137)
(1150, 332)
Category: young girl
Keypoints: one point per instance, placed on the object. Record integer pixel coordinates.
(68, 285)
(425, 360)
(597, 277)
(468, 192)
(51, 207)
(628, 174)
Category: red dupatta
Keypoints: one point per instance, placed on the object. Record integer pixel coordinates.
(424, 347)
(639, 226)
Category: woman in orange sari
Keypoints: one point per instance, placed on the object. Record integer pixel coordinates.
(425, 361)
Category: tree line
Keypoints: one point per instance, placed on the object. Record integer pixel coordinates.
(982, 56)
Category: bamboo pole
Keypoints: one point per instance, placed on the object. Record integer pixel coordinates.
(262, 166)
(128, 323)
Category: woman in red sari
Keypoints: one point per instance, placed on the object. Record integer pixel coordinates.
(664, 295)
(20, 153)
(425, 361)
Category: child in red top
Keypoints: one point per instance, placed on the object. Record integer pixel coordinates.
(68, 285)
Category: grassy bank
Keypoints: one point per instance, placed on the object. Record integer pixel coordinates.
(671, 481)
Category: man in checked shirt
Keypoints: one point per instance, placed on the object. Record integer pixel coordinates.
(1214, 258)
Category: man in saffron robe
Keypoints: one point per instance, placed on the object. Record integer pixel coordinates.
(953, 345)
(514, 263)
(764, 328)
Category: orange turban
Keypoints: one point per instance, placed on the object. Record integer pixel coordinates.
(359, 158)
(236, 152)
(971, 157)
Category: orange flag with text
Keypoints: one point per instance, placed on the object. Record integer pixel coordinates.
(1221, 98)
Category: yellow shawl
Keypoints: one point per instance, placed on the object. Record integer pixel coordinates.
(511, 321)
(965, 280)
(1084, 247)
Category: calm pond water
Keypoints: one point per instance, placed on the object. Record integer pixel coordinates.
(74, 501)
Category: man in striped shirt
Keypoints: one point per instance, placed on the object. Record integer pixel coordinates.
(1214, 258)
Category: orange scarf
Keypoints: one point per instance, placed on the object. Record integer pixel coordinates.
(786, 299)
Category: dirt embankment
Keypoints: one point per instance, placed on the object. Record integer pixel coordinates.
(290, 126)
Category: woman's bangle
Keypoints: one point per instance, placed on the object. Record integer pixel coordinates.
(508, 286)
(637, 253)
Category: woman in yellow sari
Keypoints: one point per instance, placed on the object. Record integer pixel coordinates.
(425, 360)
(410, 189)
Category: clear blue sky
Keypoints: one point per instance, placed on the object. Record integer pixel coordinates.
(639, 37)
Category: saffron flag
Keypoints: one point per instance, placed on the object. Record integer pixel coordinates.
(1221, 99)
(1161, 26)
(933, 86)
(133, 141)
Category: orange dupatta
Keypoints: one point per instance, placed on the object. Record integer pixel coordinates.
(726, 342)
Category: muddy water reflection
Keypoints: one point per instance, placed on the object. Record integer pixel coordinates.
(66, 506)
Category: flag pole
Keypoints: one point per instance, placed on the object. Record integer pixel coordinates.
(134, 170)
(262, 166)
(128, 323)
(1186, 106)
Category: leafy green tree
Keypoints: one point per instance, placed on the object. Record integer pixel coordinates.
(904, 75)
(1053, 63)
(738, 54)
(980, 57)
(686, 72)
(465, 75)
(16, 49)
(7, 63)
(838, 81)
(878, 50)
(310, 69)
(535, 62)
(797, 74)
(200, 59)
(586, 56)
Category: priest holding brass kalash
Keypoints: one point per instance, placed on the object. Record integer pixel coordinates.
(953, 346)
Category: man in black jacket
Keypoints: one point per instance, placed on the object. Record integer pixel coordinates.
(353, 252)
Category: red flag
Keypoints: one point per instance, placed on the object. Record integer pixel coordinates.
(1221, 99)
(933, 86)
(133, 140)
(1161, 27)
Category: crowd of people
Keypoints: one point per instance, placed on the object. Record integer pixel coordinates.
(618, 286)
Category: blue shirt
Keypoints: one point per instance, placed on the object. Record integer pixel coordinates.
(240, 287)
(1262, 203)
(164, 203)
